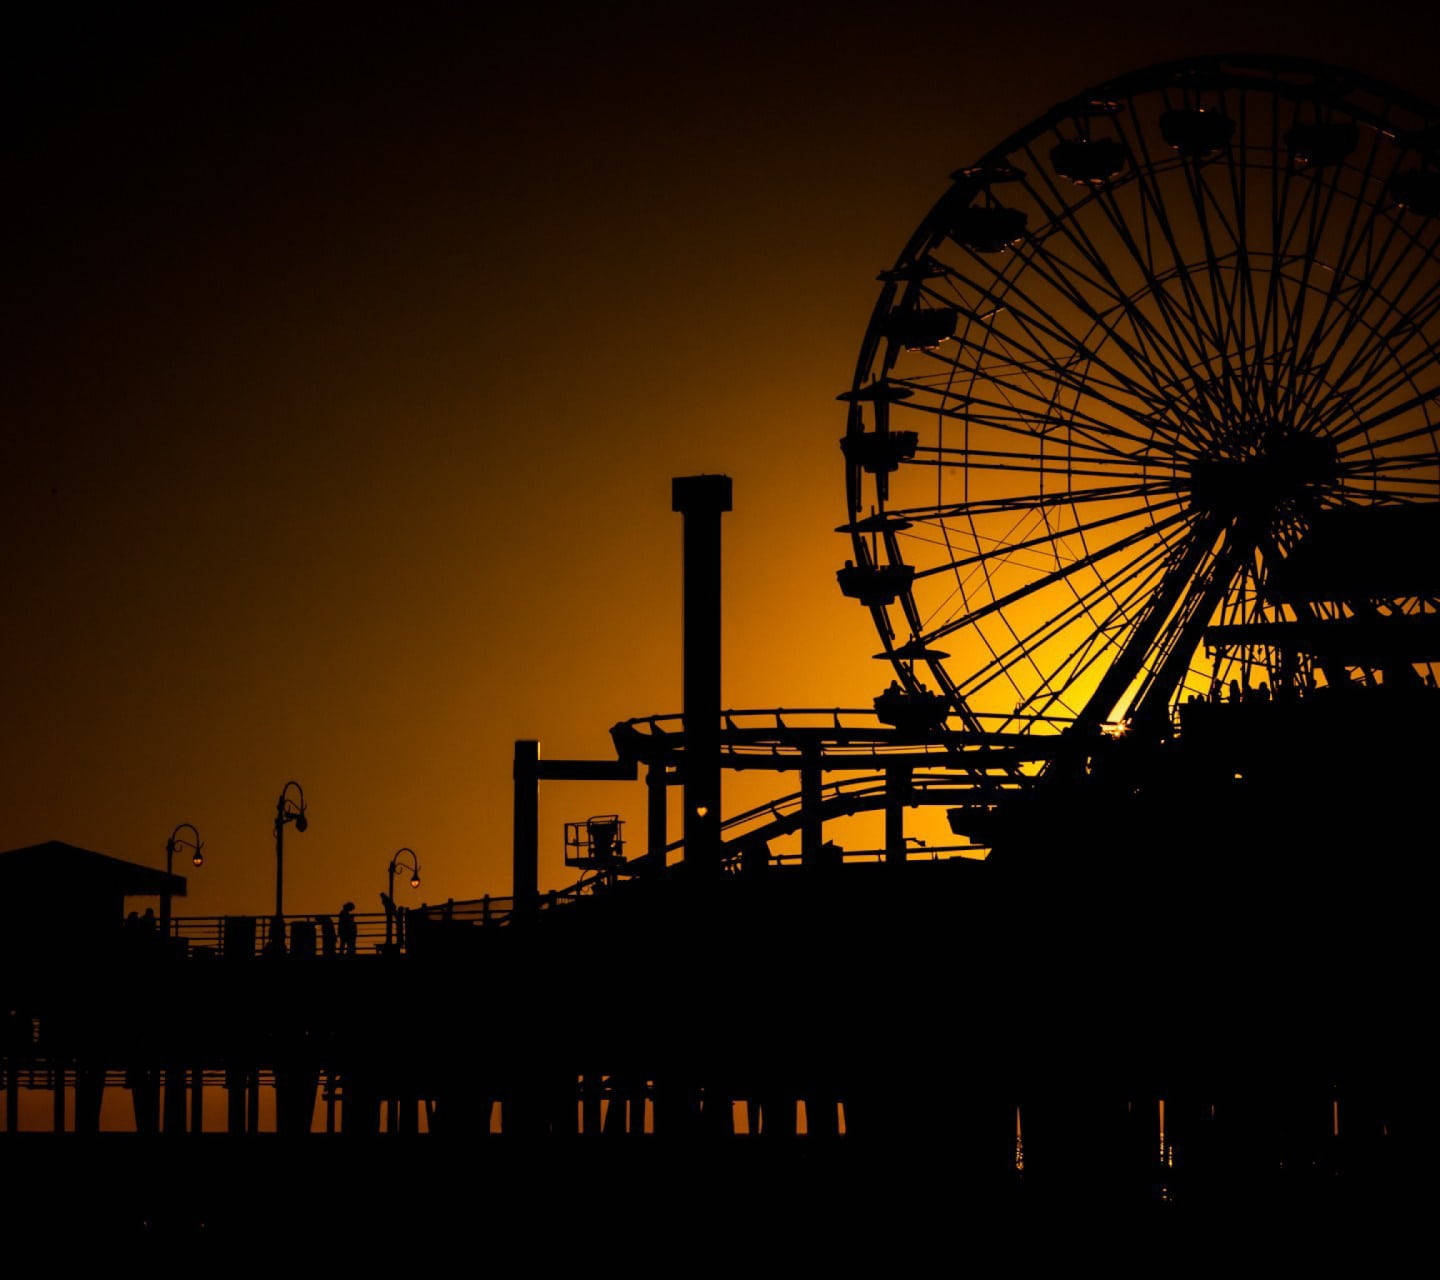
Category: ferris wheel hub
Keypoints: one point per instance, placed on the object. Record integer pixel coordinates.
(1280, 469)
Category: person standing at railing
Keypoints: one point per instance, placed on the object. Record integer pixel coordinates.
(327, 935)
(347, 929)
(275, 943)
(391, 917)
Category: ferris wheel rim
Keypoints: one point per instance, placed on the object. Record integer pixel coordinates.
(876, 360)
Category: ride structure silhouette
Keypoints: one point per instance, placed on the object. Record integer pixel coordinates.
(1141, 474)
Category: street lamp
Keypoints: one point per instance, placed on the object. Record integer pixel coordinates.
(413, 866)
(288, 808)
(197, 858)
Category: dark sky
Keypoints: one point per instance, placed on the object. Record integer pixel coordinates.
(350, 354)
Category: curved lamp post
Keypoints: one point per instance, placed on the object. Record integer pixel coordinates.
(413, 866)
(197, 858)
(288, 809)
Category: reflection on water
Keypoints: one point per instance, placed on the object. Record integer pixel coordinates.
(1181, 1148)
(1163, 1188)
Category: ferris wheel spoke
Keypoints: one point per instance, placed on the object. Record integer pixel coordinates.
(1062, 449)
(1184, 576)
(1151, 370)
(1340, 269)
(1346, 412)
(1310, 332)
(1379, 345)
(1230, 339)
(1284, 319)
(1389, 462)
(1418, 320)
(1178, 341)
(1148, 187)
(1058, 470)
(1031, 501)
(1370, 348)
(1152, 205)
(1052, 537)
(1181, 326)
(1136, 582)
(1059, 575)
(999, 547)
(1151, 347)
(1175, 643)
(1071, 374)
(983, 570)
(1073, 473)
(1057, 460)
(1362, 443)
(1258, 314)
(1001, 376)
(1040, 423)
(1038, 323)
(1391, 491)
(1023, 650)
(1366, 426)
(1382, 391)
(1094, 648)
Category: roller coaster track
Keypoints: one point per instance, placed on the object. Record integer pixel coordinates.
(784, 738)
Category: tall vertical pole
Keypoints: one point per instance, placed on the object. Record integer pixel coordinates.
(897, 788)
(655, 828)
(812, 831)
(165, 893)
(701, 500)
(525, 868)
(197, 1100)
(280, 857)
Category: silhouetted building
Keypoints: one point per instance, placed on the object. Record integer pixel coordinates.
(54, 882)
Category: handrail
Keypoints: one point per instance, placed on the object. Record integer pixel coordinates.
(784, 734)
(782, 719)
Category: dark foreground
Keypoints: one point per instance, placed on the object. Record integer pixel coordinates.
(503, 1198)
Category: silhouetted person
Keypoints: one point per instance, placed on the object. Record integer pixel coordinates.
(147, 921)
(347, 929)
(391, 918)
(327, 935)
(302, 938)
(1234, 691)
(275, 943)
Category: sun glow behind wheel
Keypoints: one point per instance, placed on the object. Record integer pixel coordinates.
(1121, 368)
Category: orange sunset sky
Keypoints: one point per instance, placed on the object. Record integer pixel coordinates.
(350, 358)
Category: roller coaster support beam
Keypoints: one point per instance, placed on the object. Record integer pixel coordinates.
(701, 500)
(525, 867)
(811, 816)
(1167, 595)
(528, 771)
(656, 834)
(897, 791)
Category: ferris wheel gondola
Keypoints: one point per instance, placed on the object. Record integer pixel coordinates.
(1124, 368)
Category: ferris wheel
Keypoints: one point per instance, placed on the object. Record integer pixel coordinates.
(1133, 359)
